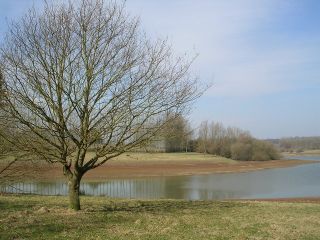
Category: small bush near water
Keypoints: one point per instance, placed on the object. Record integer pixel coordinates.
(250, 149)
(233, 143)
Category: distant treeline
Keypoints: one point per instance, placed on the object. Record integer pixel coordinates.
(296, 144)
(233, 143)
(214, 138)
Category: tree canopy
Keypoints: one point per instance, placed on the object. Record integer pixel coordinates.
(85, 77)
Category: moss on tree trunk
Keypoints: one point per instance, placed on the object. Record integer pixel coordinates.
(74, 193)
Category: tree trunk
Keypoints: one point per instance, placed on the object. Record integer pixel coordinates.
(74, 193)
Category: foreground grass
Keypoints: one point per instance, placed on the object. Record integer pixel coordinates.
(35, 217)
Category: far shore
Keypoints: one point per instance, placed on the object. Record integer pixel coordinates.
(303, 153)
(138, 165)
(112, 171)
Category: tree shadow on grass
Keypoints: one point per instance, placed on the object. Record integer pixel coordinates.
(5, 205)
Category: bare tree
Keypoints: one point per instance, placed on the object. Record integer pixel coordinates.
(7, 160)
(203, 137)
(78, 75)
(177, 134)
(214, 138)
(15, 165)
(233, 142)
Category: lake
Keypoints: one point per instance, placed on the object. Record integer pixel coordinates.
(299, 181)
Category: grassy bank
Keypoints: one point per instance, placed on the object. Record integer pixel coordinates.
(305, 152)
(35, 217)
(168, 157)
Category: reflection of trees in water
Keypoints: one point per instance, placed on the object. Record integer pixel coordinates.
(145, 188)
(205, 194)
(152, 188)
(187, 187)
(131, 188)
(42, 188)
(298, 181)
(174, 187)
(206, 187)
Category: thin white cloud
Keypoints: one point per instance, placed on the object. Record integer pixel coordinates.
(243, 64)
(268, 72)
(221, 32)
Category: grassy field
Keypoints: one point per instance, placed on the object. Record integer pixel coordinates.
(168, 157)
(306, 152)
(34, 217)
(143, 157)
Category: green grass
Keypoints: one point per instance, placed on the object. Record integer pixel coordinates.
(169, 157)
(306, 152)
(142, 157)
(23, 217)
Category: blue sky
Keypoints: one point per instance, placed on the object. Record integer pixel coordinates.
(262, 57)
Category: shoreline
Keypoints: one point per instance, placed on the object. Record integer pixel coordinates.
(311, 199)
(123, 171)
(282, 200)
(115, 170)
(145, 165)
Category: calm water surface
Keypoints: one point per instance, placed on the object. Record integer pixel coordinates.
(299, 181)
